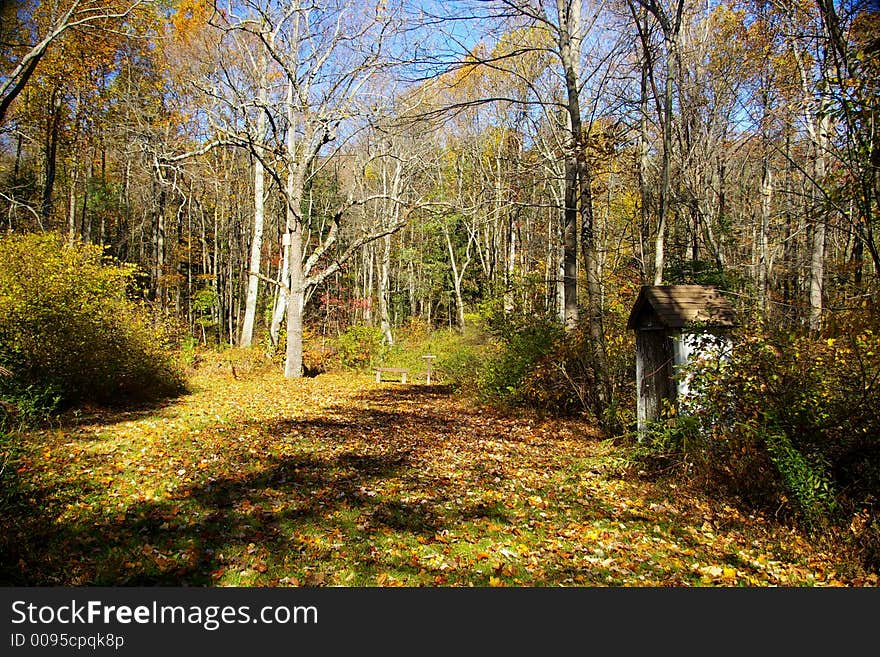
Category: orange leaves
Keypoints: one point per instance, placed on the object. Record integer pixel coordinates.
(81, 57)
(537, 502)
(384, 579)
(190, 16)
(463, 81)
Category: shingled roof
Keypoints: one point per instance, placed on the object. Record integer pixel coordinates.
(677, 306)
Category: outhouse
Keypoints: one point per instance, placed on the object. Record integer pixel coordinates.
(673, 324)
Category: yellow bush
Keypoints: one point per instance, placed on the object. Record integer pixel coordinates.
(68, 330)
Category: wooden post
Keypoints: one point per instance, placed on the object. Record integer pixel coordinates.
(428, 358)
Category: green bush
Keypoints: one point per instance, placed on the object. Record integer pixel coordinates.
(539, 364)
(459, 366)
(806, 479)
(360, 347)
(68, 333)
(459, 355)
(524, 342)
(26, 405)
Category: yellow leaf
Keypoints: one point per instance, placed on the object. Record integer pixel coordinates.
(712, 571)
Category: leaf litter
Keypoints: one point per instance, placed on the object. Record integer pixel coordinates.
(339, 481)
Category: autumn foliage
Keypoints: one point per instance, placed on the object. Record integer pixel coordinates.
(788, 423)
(336, 480)
(68, 332)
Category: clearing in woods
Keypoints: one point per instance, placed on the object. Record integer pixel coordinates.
(338, 480)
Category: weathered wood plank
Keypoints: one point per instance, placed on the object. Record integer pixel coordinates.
(402, 371)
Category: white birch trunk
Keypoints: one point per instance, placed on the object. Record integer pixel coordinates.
(250, 306)
(280, 310)
(385, 292)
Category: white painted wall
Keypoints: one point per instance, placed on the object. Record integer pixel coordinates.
(690, 347)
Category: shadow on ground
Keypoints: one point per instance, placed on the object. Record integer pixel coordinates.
(334, 478)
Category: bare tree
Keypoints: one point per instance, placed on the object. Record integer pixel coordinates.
(324, 55)
(250, 311)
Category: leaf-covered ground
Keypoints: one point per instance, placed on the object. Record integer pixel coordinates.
(340, 481)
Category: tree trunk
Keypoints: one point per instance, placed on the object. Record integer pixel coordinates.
(71, 200)
(457, 276)
(250, 306)
(763, 259)
(569, 14)
(157, 293)
(510, 229)
(294, 229)
(369, 259)
(643, 156)
(385, 292)
(579, 198)
(594, 284)
(665, 162)
(86, 217)
(280, 311)
(295, 304)
(50, 152)
(817, 250)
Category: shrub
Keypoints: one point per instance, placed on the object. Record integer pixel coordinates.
(10, 455)
(524, 342)
(68, 333)
(459, 365)
(360, 347)
(566, 380)
(539, 364)
(790, 423)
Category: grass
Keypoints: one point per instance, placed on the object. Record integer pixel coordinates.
(256, 480)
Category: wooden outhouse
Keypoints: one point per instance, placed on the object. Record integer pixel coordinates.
(671, 323)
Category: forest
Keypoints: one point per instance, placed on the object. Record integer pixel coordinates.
(227, 205)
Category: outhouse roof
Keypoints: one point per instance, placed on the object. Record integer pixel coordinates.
(677, 306)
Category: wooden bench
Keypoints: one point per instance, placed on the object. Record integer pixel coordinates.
(402, 371)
